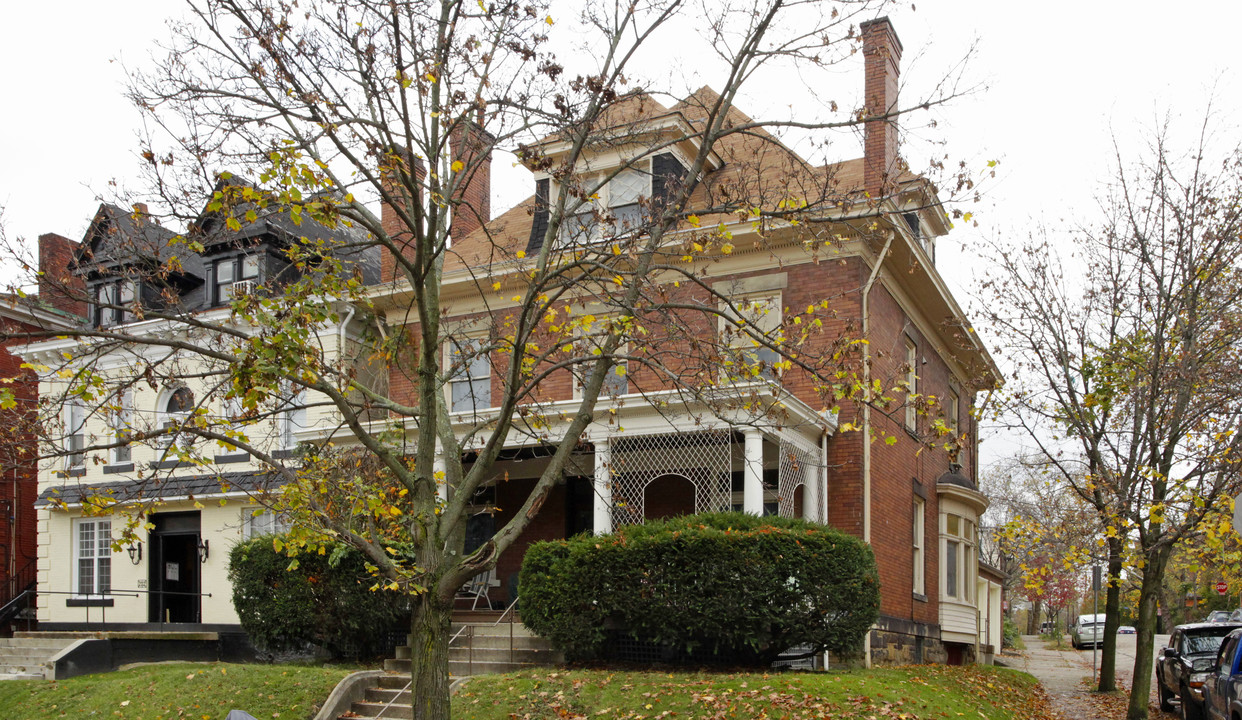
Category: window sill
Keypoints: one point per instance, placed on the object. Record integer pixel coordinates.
(118, 468)
(89, 602)
(232, 458)
(285, 454)
(169, 464)
(920, 597)
(74, 472)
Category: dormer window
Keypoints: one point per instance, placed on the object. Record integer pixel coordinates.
(233, 276)
(112, 298)
(616, 209)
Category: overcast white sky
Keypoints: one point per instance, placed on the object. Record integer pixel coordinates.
(1063, 77)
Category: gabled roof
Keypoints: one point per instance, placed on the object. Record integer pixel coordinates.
(118, 238)
(755, 170)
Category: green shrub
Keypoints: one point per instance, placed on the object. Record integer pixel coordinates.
(325, 601)
(1010, 635)
(729, 586)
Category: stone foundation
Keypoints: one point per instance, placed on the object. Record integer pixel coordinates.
(904, 642)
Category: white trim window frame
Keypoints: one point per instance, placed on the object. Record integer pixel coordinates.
(918, 542)
(952, 410)
(263, 521)
(228, 271)
(92, 557)
(470, 379)
(912, 384)
(120, 292)
(176, 404)
(615, 209)
(587, 340)
(765, 313)
(291, 418)
(120, 422)
(957, 546)
(75, 435)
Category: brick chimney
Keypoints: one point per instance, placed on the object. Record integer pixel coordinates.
(393, 226)
(59, 287)
(882, 62)
(472, 146)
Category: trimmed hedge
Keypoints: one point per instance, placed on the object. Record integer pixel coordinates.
(325, 601)
(725, 586)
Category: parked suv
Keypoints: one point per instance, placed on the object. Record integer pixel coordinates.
(1221, 685)
(1183, 665)
(1089, 630)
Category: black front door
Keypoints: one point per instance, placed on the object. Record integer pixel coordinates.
(175, 578)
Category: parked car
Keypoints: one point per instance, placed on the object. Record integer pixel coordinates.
(1126, 630)
(1088, 630)
(1217, 616)
(1236, 615)
(1183, 665)
(1221, 684)
(1046, 627)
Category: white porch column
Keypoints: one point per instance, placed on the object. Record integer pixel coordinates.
(603, 487)
(810, 496)
(752, 473)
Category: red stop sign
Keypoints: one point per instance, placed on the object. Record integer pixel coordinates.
(1222, 587)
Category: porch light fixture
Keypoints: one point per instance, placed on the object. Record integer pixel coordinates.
(135, 552)
(204, 550)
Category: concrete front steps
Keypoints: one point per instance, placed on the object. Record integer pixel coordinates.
(486, 648)
(25, 655)
(388, 699)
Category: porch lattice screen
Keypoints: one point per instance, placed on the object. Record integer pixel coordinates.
(799, 465)
(703, 458)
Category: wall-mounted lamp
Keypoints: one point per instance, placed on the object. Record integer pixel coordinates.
(135, 553)
(204, 550)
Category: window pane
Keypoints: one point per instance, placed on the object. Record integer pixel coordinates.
(224, 272)
(86, 576)
(950, 566)
(627, 218)
(952, 525)
(615, 383)
(86, 540)
(250, 267)
(103, 535)
(462, 399)
(627, 187)
(105, 575)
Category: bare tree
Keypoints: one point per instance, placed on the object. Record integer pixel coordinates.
(297, 118)
(1126, 360)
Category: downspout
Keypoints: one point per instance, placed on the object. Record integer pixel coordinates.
(866, 424)
(866, 370)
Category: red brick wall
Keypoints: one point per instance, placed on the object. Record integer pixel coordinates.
(18, 469)
(57, 286)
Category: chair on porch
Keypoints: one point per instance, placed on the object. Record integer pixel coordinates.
(477, 589)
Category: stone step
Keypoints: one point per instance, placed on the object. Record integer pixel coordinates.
(394, 682)
(519, 630)
(26, 659)
(378, 710)
(34, 642)
(7, 674)
(529, 642)
(466, 669)
(384, 696)
(525, 657)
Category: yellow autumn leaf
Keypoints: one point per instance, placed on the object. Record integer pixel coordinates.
(457, 165)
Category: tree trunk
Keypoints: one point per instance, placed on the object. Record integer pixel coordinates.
(1032, 618)
(1112, 618)
(429, 677)
(1144, 647)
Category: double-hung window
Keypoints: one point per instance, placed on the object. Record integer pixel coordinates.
(912, 385)
(952, 406)
(75, 435)
(957, 537)
(615, 209)
(176, 410)
(112, 300)
(589, 346)
(292, 417)
(470, 382)
(752, 326)
(94, 557)
(233, 276)
(920, 509)
(263, 522)
(120, 421)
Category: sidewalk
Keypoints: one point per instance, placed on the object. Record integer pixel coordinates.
(1066, 676)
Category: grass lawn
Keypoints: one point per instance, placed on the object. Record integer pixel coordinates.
(198, 691)
(924, 691)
